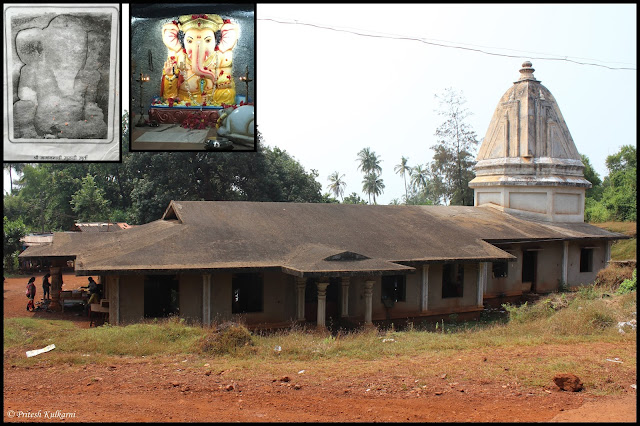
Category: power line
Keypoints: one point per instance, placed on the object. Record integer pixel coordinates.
(451, 46)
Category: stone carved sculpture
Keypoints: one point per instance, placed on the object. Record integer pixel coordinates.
(63, 82)
(237, 124)
(198, 69)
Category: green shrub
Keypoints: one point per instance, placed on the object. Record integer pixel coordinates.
(526, 312)
(629, 285)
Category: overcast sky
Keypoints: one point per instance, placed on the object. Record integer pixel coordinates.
(323, 95)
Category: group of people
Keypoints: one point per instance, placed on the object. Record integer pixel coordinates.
(95, 291)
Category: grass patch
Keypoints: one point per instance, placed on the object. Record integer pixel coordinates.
(170, 336)
(622, 249)
(574, 320)
(626, 228)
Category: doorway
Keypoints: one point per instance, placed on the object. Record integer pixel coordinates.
(529, 267)
(161, 296)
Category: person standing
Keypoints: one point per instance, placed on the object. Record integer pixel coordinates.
(94, 296)
(31, 293)
(46, 286)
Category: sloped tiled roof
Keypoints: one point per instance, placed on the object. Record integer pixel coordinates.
(299, 237)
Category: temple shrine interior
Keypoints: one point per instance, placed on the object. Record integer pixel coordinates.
(192, 77)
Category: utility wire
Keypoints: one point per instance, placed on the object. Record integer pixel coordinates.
(425, 41)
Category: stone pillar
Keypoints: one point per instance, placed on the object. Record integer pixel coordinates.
(322, 303)
(206, 299)
(368, 302)
(345, 297)
(424, 294)
(301, 284)
(56, 288)
(483, 272)
(115, 296)
(607, 253)
(565, 263)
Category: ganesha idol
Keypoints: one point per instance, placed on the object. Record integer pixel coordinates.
(198, 69)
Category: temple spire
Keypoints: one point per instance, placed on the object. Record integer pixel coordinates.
(528, 163)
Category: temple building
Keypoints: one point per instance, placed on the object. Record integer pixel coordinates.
(276, 264)
(528, 163)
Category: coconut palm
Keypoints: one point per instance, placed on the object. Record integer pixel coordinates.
(419, 177)
(336, 184)
(369, 161)
(373, 184)
(403, 169)
(370, 166)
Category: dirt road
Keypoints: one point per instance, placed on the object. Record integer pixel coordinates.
(174, 389)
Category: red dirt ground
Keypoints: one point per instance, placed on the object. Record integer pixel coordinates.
(165, 390)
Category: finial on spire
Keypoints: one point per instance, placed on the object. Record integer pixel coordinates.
(526, 72)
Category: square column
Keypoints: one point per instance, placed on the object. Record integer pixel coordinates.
(368, 302)
(424, 298)
(565, 263)
(206, 300)
(301, 284)
(345, 297)
(114, 301)
(322, 303)
(607, 253)
(483, 272)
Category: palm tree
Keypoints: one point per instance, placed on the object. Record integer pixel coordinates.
(13, 166)
(403, 169)
(336, 185)
(370, 166)
(369, 161)
(373, 184)
(419, 177)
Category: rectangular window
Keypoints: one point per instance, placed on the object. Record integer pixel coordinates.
(246, 293)
(500, 269)
(394, 288)
(586, 260)
(452, 280)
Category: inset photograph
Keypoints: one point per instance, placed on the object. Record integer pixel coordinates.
(192, 77)
(62, 75)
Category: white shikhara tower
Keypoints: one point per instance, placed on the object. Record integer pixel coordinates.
(528, 163)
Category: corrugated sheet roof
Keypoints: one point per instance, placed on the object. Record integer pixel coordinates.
(298, 237)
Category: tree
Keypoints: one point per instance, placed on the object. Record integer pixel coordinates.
(618, 195)
(454, 150)
(620, 188)
(595, 192)
(89, 203)
(373, 184)
(17, 167)
(353, 198)
(14, 230)
(403, 169)
(369, 161)
(336, 184)
(370, 167)
(138, 189)
(36, 192)
(419, 178)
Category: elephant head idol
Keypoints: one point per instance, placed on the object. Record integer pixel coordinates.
(61, 76)
(198, 69)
